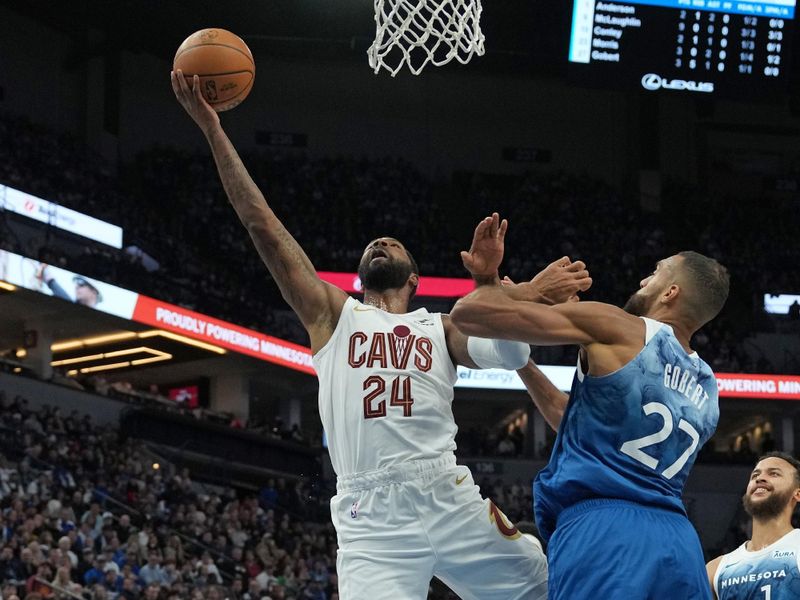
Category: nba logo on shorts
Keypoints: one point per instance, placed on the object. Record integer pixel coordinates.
(354, 510)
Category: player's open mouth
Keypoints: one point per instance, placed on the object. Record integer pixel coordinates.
(378, 254)
(760, 491)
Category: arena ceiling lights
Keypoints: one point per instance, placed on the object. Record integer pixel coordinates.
(96, 358)
(126, 335)
(150, 355)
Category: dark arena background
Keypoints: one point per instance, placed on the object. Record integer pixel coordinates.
(159, 427)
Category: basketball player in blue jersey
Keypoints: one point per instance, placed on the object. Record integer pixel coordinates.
(767, 566)
(404, 511)
(642, 404)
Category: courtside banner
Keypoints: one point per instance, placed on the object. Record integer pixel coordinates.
(73, 287)
(59, 216)
(498, 379)
(731, 385)
(431, 287)
(221, 333)
(773, 387)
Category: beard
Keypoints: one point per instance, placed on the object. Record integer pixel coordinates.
(388, 274)
(637, 305)
(768, 508)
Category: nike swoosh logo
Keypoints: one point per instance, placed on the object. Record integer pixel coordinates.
(460, 480)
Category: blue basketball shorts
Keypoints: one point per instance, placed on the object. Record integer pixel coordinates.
(619, 550)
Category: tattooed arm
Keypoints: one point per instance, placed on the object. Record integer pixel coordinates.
(317, 303)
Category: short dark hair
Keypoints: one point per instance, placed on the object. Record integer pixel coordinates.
(414, 266)
(709, 284)
(415, 270)
(788, 458)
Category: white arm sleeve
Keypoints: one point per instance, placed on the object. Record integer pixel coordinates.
(498, 354)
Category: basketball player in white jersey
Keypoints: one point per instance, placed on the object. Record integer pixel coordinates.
(404, 511)
(767, 566)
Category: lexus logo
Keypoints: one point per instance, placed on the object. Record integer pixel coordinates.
(653, 82)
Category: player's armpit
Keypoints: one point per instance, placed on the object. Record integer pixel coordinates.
(457, 344)
(489, 312)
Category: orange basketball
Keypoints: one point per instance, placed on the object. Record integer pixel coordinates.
(223, 62)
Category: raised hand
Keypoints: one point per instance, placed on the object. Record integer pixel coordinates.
(561, 281)
(192, 101)
(486, 253)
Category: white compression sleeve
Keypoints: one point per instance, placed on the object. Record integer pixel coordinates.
(498, 354)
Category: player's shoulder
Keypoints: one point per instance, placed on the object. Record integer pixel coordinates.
(599, 310)
(608, 325)
(713, 565)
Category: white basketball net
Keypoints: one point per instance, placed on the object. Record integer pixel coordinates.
(418, 32)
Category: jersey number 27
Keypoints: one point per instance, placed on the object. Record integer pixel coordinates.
(633, 448)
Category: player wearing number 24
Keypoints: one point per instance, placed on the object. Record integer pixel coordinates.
(404, 511)
(641, 406)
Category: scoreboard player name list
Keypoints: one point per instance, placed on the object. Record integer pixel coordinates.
(599, 29)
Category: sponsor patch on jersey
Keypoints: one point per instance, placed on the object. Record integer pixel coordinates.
(782, 553)
(427, 322)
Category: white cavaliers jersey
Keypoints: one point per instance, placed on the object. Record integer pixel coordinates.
(385, 389)
(772, 573)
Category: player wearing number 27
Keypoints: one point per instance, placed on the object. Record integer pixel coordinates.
(404, 511)
(642, 404)
(767, 566)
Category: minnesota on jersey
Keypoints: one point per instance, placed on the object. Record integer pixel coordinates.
(385, 388)
(772, 573)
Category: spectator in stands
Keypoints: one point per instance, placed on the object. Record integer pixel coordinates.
(63, 583)
(95, 574)
(152, 572)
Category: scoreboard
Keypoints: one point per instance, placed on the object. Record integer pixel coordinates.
(695, 46)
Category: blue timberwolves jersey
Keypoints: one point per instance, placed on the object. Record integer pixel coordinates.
(632, 434)
(772, 573)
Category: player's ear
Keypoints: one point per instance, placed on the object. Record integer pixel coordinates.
(671, 293)
(413, 279)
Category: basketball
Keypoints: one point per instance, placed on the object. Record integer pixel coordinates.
(223, 62)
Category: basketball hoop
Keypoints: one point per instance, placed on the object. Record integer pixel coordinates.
(418, 32)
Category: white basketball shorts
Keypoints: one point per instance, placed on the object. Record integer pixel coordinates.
(398, 527)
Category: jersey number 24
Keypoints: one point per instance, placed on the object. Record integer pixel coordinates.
(376, 388)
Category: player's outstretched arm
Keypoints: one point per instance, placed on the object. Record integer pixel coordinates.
(490, 312)
(559, 282)
(317, 304)
(550, 401)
